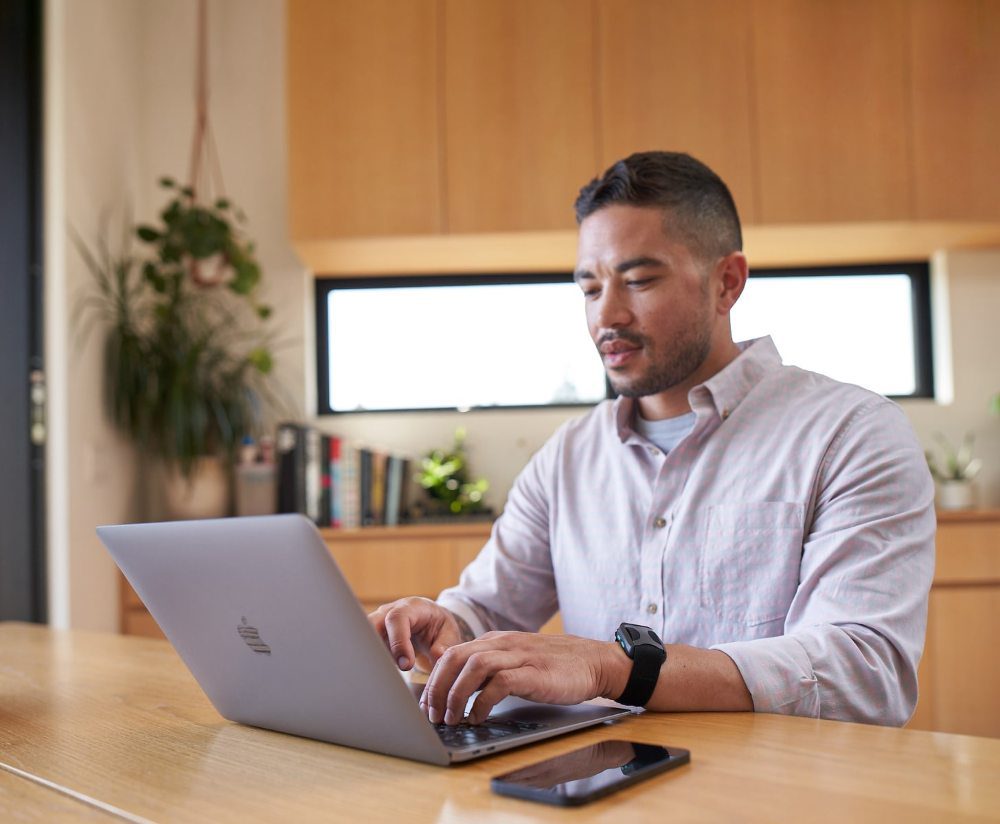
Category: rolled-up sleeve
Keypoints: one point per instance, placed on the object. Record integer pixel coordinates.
(854, 632)
(510, 585)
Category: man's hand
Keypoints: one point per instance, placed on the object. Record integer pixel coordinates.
(418, 631)
(552, 669)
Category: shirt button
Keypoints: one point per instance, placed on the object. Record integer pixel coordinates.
(654, 451)
(725, 414)
(659, 523)
(651, 609)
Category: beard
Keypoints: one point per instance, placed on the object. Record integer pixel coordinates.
(686, 353)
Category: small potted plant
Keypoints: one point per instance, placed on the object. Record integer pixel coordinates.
(954, 473)
(444, 474)
(187, 353)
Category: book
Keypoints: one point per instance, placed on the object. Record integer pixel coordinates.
(349, 489)
(378, 479)
(291, 460)
(365, 486)
(336, 483)
(326, 482)
(393, 487)
(313, 473)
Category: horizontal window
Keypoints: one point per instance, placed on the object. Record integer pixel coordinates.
(487, 341)
(502, 341)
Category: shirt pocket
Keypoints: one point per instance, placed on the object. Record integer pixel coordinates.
(750, 560)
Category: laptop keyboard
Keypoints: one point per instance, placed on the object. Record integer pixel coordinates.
(462, 735)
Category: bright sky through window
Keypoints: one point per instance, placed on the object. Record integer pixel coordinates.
(857, 329)
(428, 347)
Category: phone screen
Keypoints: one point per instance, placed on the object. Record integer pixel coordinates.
(588, 773)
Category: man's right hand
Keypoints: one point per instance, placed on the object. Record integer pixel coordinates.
(418, 631)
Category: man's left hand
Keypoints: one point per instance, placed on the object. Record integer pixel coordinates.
(551, 669)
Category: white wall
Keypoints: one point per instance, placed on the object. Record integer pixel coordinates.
(119, 114)
(972, 281)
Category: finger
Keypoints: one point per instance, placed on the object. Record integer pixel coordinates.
(398, 627)
(506, 682)
(434, 700)
(377, 621)
(479, 668)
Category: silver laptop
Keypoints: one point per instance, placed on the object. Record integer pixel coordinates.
(260, 613)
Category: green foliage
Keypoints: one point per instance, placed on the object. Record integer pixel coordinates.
(187, 353)
(955, 464)
(995, 404)
(445, 477)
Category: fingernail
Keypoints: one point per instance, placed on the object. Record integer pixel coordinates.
(402, 662)
(449, 717)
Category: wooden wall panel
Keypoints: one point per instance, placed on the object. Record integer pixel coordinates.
(520, 113)
(363, 118)
(674, 76)
(831, 82)
(956, 108)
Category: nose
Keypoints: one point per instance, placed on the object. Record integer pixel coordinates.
(611, 310)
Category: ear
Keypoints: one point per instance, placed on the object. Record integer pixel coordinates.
(731, 274)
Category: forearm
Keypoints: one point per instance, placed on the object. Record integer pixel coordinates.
(691, 679)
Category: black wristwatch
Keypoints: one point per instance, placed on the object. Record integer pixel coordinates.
(646, 650)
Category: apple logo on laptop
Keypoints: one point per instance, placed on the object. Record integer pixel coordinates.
(252, 637)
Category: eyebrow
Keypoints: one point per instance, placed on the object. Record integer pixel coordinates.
(621, 268)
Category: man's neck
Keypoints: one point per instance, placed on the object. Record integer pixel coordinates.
(673, 402)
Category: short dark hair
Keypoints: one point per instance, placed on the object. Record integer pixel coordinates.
(696, 201)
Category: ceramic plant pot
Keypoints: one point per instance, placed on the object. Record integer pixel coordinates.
(956, 495)
(205, 494)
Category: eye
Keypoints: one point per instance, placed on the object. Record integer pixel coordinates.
(639, 282)
(591, 292)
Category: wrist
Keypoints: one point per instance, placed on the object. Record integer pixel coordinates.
(616, 667)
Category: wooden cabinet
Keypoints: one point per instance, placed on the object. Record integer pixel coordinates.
(960, 671)
(520, 112)
(364, 146)
(431, 117)
(956, 108)
(663, 87)
(831, 88)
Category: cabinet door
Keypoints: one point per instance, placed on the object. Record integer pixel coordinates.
(956, 108)
(673, 76)
(364, 151)
(519, 114)
(832, 121)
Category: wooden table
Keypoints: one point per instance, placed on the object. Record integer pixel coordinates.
(94, 726)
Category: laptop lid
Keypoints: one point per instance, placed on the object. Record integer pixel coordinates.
(260, 613)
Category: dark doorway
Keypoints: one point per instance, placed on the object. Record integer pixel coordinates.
(22, 381)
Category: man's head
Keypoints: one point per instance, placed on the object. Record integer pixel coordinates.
(659, 262)
(697, 206)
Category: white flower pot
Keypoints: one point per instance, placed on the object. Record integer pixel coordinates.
(204, 495)
(956, 495)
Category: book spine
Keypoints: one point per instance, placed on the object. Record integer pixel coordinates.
(313, 474)
(351, 458)
(290, 451)
(393, 483)
(365, 486)
(336, 484)
(379, 460)
(326, 482)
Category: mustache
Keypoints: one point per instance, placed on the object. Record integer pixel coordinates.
(624, 334)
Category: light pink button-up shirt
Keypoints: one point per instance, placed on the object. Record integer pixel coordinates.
(793, 528)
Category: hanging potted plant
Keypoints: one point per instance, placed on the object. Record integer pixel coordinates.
(187, 352)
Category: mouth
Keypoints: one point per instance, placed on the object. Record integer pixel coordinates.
(617, 353)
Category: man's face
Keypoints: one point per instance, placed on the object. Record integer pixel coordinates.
(649, 308)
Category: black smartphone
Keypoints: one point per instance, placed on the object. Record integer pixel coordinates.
(591, 772)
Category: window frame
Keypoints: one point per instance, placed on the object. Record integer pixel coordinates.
(917, 271)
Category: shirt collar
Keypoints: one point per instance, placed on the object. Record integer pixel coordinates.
(722, 392)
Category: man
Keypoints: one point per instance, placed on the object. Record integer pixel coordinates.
(773, 526)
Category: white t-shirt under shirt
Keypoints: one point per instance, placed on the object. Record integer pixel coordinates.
(666, 434)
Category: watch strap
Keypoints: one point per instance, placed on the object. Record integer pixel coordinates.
(646, 663)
